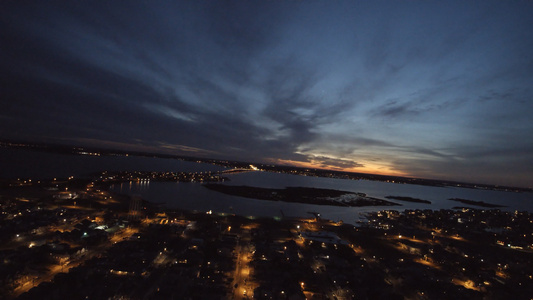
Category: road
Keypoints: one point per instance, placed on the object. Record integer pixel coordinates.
(243, 286)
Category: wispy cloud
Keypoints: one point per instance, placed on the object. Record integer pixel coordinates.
(417, 88)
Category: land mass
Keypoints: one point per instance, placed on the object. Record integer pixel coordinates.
(92, 151)
(408, 199)
(302, 195)
(476, 203)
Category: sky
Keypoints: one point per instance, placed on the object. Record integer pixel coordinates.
(431, 89)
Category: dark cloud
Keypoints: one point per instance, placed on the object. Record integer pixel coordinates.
(393, 109)
(415, 88)
(334, 163)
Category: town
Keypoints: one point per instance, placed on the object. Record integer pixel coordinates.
(73, 238)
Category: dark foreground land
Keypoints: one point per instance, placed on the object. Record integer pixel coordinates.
(72, 239)
(301, 195)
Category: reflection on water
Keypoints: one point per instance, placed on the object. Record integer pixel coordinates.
(192, 196)
(140, 186)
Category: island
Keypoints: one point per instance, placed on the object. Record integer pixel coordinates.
(302, 195)
(476, 203)
(408, 199)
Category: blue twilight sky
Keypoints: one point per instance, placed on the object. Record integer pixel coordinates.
(436, 89)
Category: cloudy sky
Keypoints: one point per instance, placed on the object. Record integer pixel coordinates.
(435, 89)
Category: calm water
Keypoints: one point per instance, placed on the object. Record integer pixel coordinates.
(192, 196)
(16, 163)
